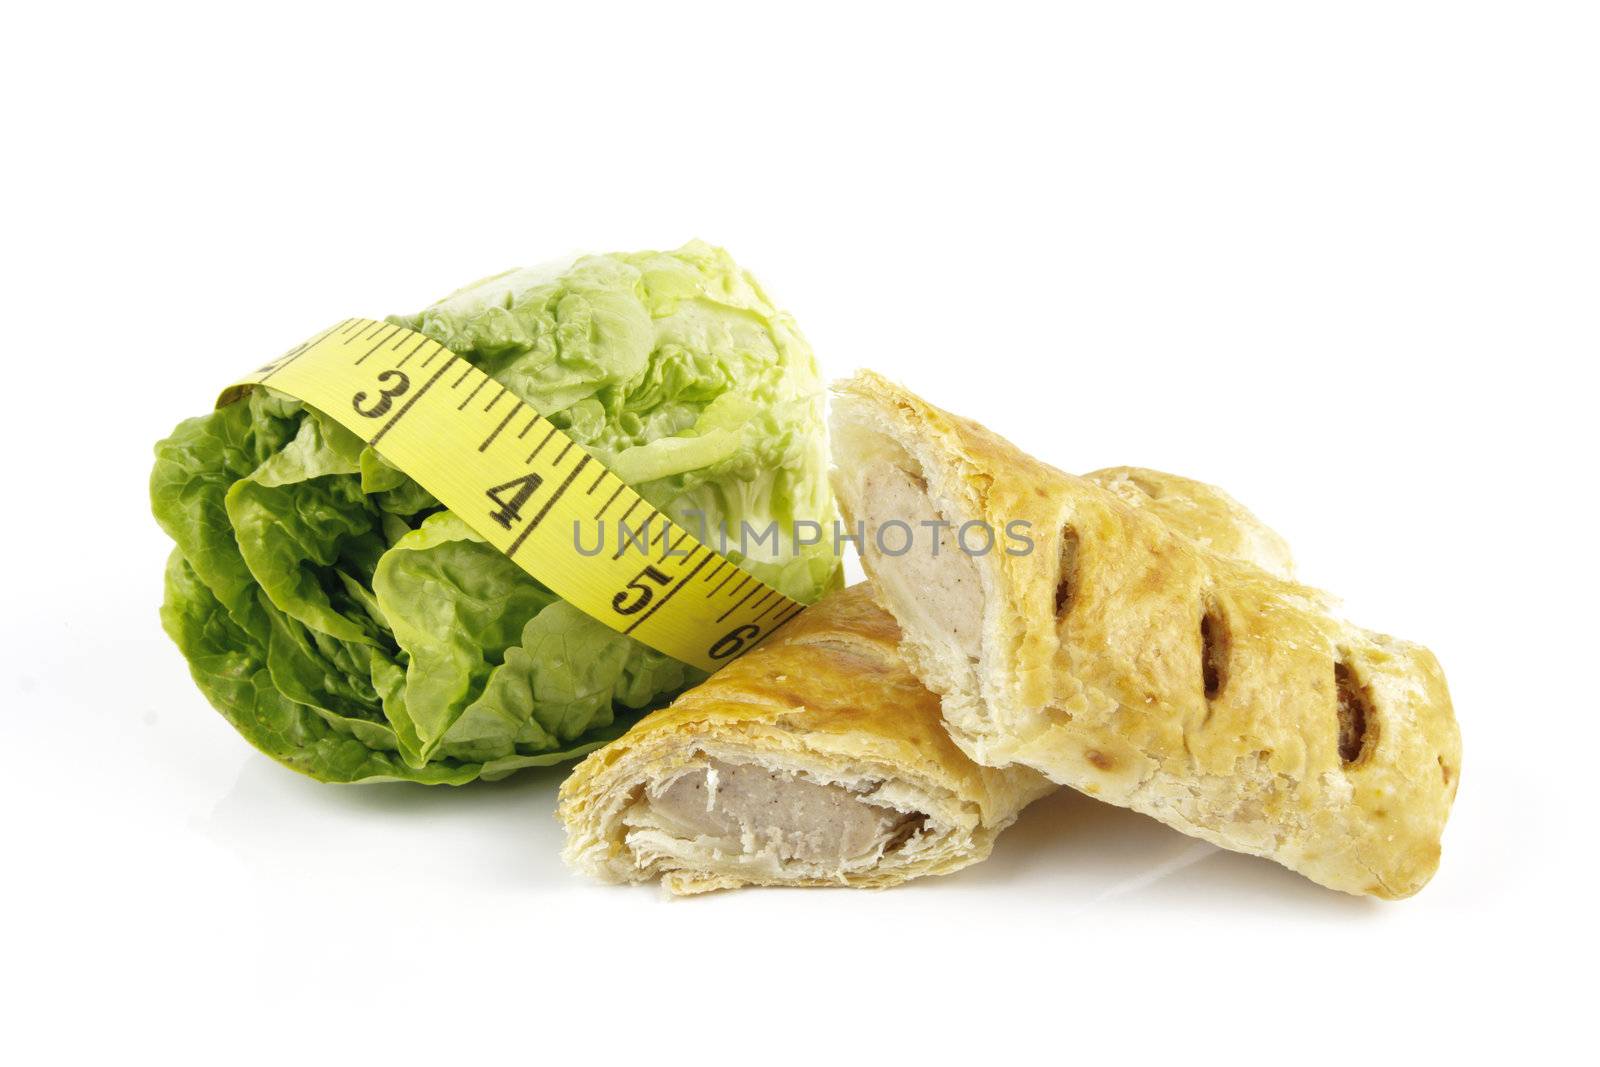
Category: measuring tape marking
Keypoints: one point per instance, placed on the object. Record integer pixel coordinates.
(430, 435)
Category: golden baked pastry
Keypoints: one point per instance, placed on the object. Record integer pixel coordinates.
(816, 759)
(819, 759)
(1143, 667)
(1204, 514)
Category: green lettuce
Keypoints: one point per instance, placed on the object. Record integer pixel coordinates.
(352, 628)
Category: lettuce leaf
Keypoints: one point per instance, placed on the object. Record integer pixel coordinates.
(353, 629)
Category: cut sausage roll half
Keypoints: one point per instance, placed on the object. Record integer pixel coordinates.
(814, 760)
(1144, 667)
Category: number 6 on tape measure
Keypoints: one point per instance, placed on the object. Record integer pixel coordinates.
(526, 488)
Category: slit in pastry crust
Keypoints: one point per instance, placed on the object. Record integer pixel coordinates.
(1263, 722)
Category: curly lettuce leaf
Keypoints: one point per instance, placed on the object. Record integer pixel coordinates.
(676, 371)
(350, 627)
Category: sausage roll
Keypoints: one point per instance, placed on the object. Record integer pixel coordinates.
(816, 759)
(1114, 654)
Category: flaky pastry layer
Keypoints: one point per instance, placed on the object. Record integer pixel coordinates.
(816, 759)
(1148, 666)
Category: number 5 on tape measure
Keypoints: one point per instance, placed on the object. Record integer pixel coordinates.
(526, 488)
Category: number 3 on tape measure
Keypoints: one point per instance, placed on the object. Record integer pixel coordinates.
(464, 436)
(392, 383)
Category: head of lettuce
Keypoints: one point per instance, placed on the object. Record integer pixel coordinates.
(353, 629)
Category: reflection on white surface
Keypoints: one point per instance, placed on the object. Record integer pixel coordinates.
(482, 835)
(1086, 855)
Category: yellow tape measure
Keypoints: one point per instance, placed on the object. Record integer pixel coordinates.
(522, 485)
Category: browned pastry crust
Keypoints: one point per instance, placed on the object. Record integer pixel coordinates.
(837, 743)
(1144, 668)
(1204, 514)
(826, 702)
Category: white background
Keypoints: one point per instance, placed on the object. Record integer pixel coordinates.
(1340, 259)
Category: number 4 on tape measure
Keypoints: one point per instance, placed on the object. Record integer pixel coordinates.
(526, 487)
(521, 490)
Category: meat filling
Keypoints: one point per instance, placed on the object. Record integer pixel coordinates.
(935, 579)
(744, 814)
